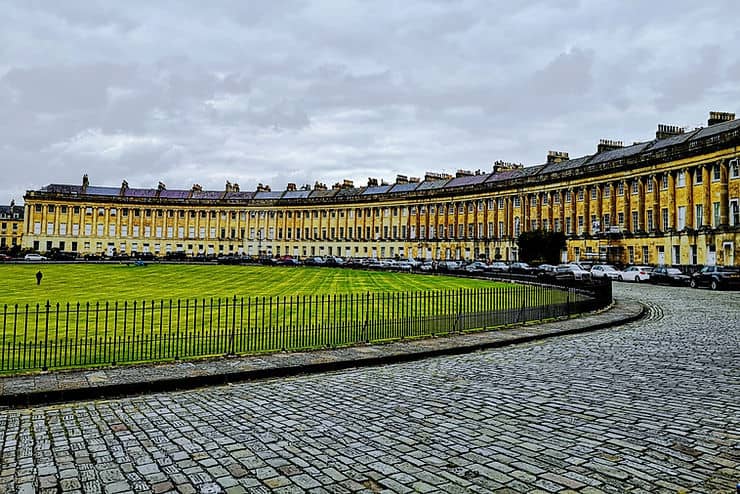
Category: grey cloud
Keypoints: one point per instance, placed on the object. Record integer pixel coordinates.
(186, 91)
(691, 80)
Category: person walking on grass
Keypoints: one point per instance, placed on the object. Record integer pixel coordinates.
(39, 275)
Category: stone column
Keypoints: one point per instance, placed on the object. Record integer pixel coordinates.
(656, 202)
(707, 182)
(600, 206)
(587, 227)
(724, 205)
(626, 206)
(672, 199)
(641, 213)
(574, 211)
(689, 197)
(561, 212)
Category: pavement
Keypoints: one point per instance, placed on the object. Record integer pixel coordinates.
(106, 382)
(651, 406)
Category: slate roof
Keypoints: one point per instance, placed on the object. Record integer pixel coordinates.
(174, 194)
(6, 212)
(411, 186)
(671, 141)
(566, 165)
(716, 129)
(432, 184)
(296, 194)
(269, 194)
(504, 175)
(62, 189)
(103, 191)
(207, 194)
(140, 193)
(323, 193)
(355, 191)
(466, 180)
(618, 154)
(377, 189)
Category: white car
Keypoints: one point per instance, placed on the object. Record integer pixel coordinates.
(476, 267)
(34, 257)
(499, 266)
(605, 270)
(636, 274)
(404, 266)
(574, 270)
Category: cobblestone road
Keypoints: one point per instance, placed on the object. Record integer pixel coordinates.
(650, 407)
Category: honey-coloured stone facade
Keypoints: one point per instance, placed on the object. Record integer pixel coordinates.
(670, 200)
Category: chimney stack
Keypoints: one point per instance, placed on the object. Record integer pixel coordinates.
(716, 117)
(556, 156)
(608, 145)
(665, 131)
(500, 165)
(433, 176)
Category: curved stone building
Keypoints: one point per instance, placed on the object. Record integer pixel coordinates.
(672, 199)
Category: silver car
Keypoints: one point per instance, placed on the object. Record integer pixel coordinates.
(605, 271)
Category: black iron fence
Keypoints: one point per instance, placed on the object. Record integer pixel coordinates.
(82, 335)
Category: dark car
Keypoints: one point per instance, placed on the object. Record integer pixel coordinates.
(228, 259)
(62, 256)
(716, 278)
(5, 257)
(315, 261)
(663, 275)
(521, 268)
(287, 261)
(550, 273)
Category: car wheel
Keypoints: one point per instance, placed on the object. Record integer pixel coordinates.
(637, 279)
(692, 283)
(620, 278)
(714, 285)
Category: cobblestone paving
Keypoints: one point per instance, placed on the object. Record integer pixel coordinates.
(653, 406)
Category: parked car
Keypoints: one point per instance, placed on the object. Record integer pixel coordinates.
(449, 265)
(663, 275)
(228, 259)
(573, 271)
(412, 262)
(287, 261)
(34, 257)
(499, 267)
(427, 266)
(404, 265)
(476, 267)
(550, 273)
(716, 278)
(521, 268)
(315, 261)
(636, 274)
(334, 261)
(5, 257)
(605, 271)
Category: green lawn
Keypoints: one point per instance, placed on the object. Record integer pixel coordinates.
(100, 283)
(102, 314)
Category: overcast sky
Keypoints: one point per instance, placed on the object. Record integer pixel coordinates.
(298, 91)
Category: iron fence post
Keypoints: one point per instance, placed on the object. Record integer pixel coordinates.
(45, 366)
